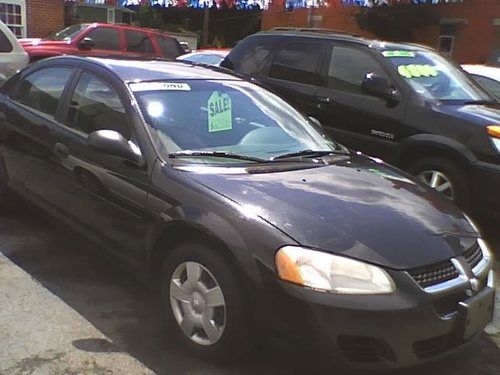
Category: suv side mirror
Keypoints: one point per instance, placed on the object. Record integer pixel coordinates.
(316, 123)
(113, 143)
(86, 43)
(378, 86)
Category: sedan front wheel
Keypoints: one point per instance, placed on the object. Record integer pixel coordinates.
(206, 303)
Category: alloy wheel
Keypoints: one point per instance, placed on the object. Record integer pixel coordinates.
(198, 303)
(438, 181)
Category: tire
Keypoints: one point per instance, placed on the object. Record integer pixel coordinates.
(233, 321)
(446, 170)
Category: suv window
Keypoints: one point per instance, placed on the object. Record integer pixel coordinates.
(297, 62)
(42, 90)
(251, 56)
(95, 105)
(137, 41)
(5, 44)
(105, 38)
(170, 47)
(348, 67)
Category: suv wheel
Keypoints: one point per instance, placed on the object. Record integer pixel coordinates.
(443, 175)
(205, 302)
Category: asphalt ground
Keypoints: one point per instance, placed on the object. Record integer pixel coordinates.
(64, 309)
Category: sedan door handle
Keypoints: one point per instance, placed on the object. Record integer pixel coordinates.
(61, 151)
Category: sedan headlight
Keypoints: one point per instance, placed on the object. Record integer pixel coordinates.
(331, 273)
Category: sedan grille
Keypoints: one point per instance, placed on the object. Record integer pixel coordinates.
(434, 274)
(473, 256)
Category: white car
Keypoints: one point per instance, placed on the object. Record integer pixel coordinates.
(487, 76)
(13, 57)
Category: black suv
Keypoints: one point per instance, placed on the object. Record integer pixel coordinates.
(402, 102)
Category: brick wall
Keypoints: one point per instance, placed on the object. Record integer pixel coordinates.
(44, 17)
(474, 40)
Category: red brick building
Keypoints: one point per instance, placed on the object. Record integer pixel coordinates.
(468, 31)
(32, 18)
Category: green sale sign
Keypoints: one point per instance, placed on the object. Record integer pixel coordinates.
(219, 112)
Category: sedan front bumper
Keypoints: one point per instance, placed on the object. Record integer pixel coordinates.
(403, 329)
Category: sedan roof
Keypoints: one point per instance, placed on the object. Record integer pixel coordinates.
(130, 70)
(157, 70)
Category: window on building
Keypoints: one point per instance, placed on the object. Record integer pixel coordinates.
(12, 13)
(447, 34)
(445, 46)
(42, 90)
(170, 48)
(106, 38)
(349, 67)
(138, 41)
(97, 106)
(297, 62)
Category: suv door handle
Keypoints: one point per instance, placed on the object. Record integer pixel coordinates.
(61, 151)
(324, 99)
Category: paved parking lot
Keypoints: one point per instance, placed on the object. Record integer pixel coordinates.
(64, 310)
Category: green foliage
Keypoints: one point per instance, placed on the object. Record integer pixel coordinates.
(396, 22)
(226, 25)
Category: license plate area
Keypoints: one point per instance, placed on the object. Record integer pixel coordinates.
(477, 312)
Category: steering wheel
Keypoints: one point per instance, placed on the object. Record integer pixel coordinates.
(442, 87)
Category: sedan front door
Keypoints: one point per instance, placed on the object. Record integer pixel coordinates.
(104, 194)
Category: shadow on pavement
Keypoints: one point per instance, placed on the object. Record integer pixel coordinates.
(124, 310)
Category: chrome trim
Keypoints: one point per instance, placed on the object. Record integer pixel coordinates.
(491, 279)
(456, 283)
(483, 268)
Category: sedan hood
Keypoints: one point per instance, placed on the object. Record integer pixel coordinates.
(359, 208)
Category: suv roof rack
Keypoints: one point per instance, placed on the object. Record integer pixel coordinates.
(313, 30)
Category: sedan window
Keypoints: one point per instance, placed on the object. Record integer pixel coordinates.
(42, 90)
(95, 105)
(489, 84)
(5, 44)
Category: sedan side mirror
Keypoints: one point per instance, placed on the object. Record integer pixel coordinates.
(86, 43)
(113, 143)
(379, 86)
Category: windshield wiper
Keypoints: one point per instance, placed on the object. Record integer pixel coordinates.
(481, 102)
(310, 153)
(215, 154)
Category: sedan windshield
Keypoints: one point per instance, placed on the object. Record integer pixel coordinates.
(232, 117)
(434, 77)
(68, 33)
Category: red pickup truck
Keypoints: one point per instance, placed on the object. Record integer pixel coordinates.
(102, 39)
